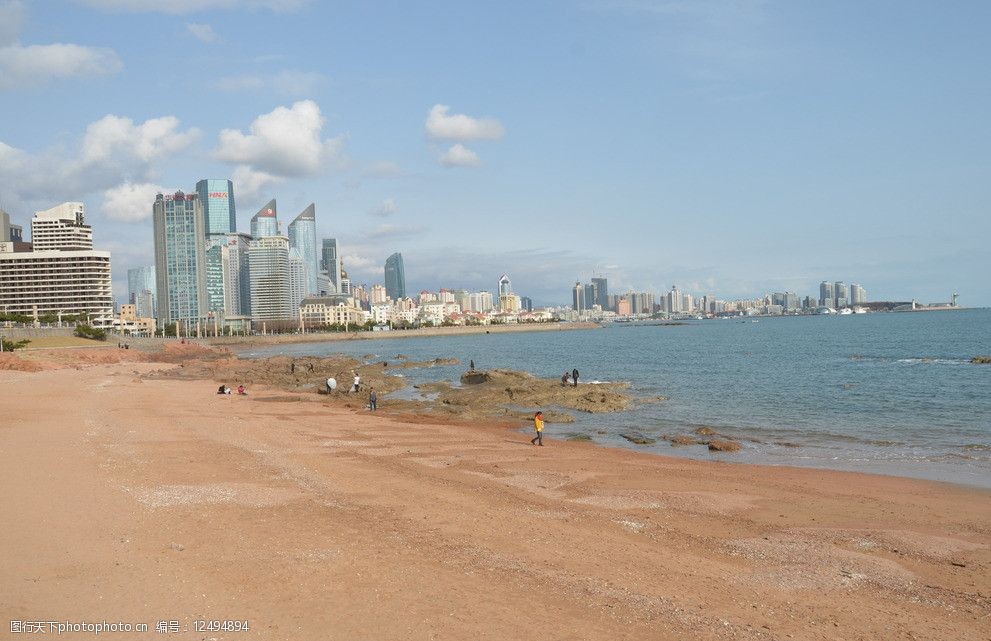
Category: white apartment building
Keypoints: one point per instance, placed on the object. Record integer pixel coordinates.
(65, 275)
(61, 228)
(268, 267)
(377, 295)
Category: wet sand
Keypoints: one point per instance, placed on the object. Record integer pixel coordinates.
(130, 498)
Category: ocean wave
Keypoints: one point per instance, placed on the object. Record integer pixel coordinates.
(911, 360)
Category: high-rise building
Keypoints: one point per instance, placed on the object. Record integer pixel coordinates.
(140, 280)
(62, 227)
(505, 285)
(840, 296)
(591, 295)
(526, 303)
(330, 264)
(217, 198)
(297, 278)
(180, 258)
(675, 300)
(395, 277)
(480, 302)
(266, 222)
(578, 297)
(268, 269)
(601, 292)
(303, 238)
(377, 295)
(858, 295)
(237, 277)
(826, 294)
(66, 277)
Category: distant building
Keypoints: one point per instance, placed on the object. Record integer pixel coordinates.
(480, 302)
(330, 264)
(237, 276)
(526, 304)
(674, 300)
(840, 296)
(505, 285)
(266, 222)
(139, 281)
(826, 297)
(395, 277)
(601, 293)
(578, 297)
(858, 295)
(268, 269)
(377, 295)
(303, 238)
(180, 257)
(297, 279)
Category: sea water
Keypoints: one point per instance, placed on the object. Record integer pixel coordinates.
(888, 393)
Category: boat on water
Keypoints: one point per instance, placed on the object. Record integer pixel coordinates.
(846, 311)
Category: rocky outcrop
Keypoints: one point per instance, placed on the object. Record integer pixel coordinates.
(981, 360)
(719, 445)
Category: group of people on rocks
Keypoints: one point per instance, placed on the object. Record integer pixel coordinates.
(570, 378)
(355, 389)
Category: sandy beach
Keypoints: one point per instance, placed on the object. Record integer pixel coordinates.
(133, 497)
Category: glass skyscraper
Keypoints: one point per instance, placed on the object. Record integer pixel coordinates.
(330, 263)
(395, 277)
(265, 223)
(142, 279)
(180, 265)
(217, 199)
(303, 238)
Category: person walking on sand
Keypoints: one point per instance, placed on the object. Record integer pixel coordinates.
(574, 377)
(372, 400)
(538, 425)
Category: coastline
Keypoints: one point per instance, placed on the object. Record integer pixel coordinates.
(132, 506)
(320, 337)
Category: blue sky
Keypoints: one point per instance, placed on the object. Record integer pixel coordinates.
(732, 148)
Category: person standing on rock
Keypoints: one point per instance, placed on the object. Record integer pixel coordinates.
(566, 379)
(574, 377)
(538, 425)
(356, 387)
(372, 400)
(331, 385)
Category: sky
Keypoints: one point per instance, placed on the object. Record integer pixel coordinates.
(731, 148)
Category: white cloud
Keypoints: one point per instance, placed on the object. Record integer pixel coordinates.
(114, 137)
(443, 126)
(113, 151)
(250, 184)
(460, 156)
(202, 32)
(286, 82)
(12, 15)
(36, 64)
(284, 142)
(386, 208)
(131, 202)
(192, 6)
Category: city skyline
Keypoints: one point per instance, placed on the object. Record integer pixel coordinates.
(750, 141)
